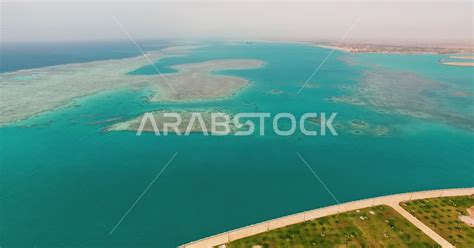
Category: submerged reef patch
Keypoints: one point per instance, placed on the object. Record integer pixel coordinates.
(409, 94)
(359, 124)
(275, 92)
(29, 92)
(161, 119)
(198, 81)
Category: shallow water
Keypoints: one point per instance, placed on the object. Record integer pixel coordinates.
(66, 183)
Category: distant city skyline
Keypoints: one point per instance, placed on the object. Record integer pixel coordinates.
(389, 21)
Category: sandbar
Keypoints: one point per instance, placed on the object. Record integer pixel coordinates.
(462, 57)
(459, 63)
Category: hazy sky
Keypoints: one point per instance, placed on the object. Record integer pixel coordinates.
(421, 21)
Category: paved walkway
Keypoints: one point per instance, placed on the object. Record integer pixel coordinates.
(390, 200)
(428, 231)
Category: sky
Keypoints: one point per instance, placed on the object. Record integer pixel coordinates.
(421, 21)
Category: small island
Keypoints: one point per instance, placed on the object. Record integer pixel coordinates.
(190, 122)
(463, 62)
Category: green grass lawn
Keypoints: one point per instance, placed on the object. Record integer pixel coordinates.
(441, 215)
(379, 226)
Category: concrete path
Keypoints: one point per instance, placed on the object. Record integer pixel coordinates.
(428, 231)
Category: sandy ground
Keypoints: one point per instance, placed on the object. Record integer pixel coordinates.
(468, 219)
(462, 57)
(459, 63)
(28, 92)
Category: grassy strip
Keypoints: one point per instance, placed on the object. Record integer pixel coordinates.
(441, 215)
(379, 226)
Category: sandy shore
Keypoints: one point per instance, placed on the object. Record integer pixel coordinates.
(462, 57)
(26, 93)
(459, 63)
(342, 49)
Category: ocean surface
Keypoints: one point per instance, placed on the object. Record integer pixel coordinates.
(65, 182)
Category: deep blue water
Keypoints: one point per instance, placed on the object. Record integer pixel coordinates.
(17, 56)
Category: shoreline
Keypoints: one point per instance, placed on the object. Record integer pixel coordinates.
(379, 47)
(391, 200)
(397, 48)
(334, 48)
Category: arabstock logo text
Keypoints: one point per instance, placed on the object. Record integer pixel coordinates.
(241, 124)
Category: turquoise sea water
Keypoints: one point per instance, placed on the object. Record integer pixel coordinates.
(66, 183)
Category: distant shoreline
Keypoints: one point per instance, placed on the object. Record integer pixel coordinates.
(384, 47)
(397, 49)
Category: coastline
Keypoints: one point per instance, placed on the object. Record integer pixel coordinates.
(462, 50)
(390, 200)
(342, 49)
(396, 48)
